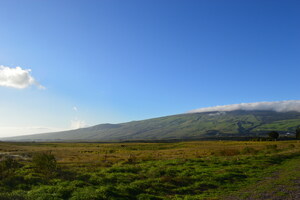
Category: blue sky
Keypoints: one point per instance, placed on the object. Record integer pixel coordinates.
(110, 61)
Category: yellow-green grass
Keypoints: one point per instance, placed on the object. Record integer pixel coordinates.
(80, 153)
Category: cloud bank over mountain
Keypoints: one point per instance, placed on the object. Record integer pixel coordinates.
(278, 106)
(17, 78)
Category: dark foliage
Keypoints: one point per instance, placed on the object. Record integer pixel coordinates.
(298, 133)
(273, 134)
(45, 163)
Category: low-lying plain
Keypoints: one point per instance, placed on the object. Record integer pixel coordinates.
(179, 170)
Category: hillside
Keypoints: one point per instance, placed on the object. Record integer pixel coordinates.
(184, 126)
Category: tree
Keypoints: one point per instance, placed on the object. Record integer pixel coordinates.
(298, 133)
(273, 134)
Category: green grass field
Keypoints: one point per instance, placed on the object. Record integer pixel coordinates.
(182, 170)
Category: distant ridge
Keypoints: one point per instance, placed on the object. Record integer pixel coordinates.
(192, 125)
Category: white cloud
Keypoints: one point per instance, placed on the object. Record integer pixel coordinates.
(76, 124)
(17, 78)
(278, 106)
(75, 108)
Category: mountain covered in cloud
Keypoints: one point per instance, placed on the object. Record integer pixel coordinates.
(278, 106)
(247, 119)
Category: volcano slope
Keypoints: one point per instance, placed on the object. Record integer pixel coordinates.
(184, 126)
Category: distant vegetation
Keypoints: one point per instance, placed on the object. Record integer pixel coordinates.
(141, 171)
(298, 133)
(273, 135)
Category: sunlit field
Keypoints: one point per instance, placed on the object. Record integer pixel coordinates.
(182, 170)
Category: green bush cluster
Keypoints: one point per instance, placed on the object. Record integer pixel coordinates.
(45, 163)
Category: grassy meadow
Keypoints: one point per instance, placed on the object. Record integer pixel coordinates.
(181, 170)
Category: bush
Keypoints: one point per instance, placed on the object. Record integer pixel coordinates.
(148, 197)
(45, 192)
(15, 195)
(298, 133)
(8, 177)
(45, 163)
(93, 193)
(86, 193)
(9, 164)
(273, 134)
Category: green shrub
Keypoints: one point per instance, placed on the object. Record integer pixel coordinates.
(298, 133)
(45, 163)
(273, 134)
(148, 197)
(86, 193)
(57, 190)
(8, 176)
(124, 169)
(8, 166)
(44, 192)
(15, 195)
(108, 192)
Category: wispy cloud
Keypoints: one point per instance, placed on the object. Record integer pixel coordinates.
(75, 108)
(278, 106)
(17, 78)
(76, 124)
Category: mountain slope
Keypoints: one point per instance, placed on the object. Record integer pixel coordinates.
(184, 126)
